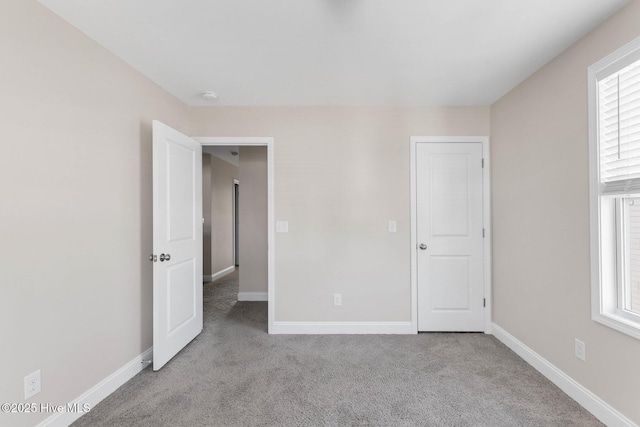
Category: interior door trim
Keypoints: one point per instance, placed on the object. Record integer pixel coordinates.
(486, 214)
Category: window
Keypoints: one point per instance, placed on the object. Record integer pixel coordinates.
(630, 297)
(614, 142)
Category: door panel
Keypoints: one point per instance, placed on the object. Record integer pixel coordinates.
(177, 232)
(182, 294)
(180, 203)
(449, 226)
(448, 186)
(450, 278)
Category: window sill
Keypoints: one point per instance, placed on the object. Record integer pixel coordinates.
(627, 323)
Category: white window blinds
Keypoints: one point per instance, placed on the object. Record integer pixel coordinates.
(619, 131)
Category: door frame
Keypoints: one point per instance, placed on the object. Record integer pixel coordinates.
(271, 250)
(486, 219)
(236, 190)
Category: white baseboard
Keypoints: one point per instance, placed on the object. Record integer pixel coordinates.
(95, 394)
(592, 403)
(253, 296)
(222, 273)
(342, 328)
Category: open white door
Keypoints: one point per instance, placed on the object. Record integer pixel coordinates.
(177, 242)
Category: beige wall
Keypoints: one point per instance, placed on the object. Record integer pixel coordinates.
(206, 214)
(222, 175)
(540, 179)
(75, 222)
(252, 209)
(75, 183)
(340, 175)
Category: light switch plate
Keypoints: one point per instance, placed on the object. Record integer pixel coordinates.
(282, 226)
(393, 227)
(580, 350)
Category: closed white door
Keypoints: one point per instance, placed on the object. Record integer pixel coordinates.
(177, 242)
(449, 237)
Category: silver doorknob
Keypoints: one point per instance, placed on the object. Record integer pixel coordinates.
(422, 246)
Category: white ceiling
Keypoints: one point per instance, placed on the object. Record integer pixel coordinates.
(223, 152)
(336, 52)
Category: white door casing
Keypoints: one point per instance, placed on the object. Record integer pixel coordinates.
(449, 226)
(177, 232)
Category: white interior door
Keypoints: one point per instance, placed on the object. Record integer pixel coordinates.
(177, 242)
(449, 235)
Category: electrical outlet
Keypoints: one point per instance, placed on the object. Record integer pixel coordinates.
(282, 226)
(32, 384)
(337, 299)
(581, 351)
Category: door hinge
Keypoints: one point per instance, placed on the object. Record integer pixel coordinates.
(483, 233)
(484, 302)
(482, 163)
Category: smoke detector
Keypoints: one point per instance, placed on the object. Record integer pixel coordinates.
(210, 96)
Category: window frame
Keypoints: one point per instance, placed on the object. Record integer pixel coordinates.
(606, 223)
(624, 260)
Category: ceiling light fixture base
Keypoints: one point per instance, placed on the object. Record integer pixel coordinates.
(210, 96)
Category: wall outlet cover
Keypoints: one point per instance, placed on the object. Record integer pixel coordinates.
(337, 299)
(32, 384)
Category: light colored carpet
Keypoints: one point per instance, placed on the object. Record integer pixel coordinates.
(235, 374)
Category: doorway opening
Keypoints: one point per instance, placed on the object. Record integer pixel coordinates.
(220, 172)
(249, 238)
